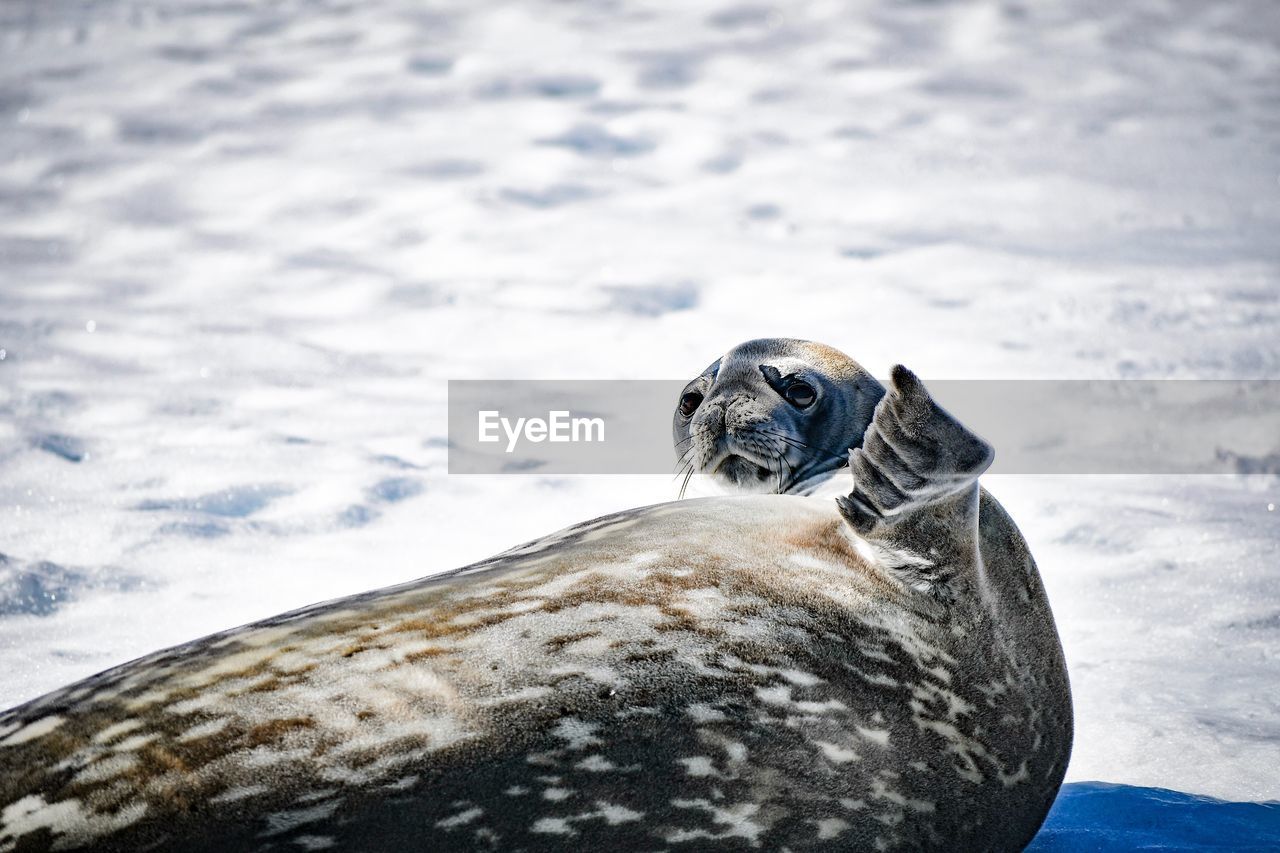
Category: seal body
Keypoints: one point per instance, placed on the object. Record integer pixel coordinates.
(727, 673)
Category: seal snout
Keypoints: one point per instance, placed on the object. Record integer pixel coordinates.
(732, 441)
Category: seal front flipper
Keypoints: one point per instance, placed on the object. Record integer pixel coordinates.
(915, 487)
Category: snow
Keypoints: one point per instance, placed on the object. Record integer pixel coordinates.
(244, 245)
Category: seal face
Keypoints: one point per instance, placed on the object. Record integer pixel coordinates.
(774, 415)
(750, 672)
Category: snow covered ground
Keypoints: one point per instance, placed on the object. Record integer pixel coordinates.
(243, 244)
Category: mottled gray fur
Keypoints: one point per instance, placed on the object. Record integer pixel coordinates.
(730, 673)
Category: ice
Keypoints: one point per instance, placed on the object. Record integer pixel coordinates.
(243, 245)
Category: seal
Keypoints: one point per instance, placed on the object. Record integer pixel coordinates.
(742, 672)
(774, 415)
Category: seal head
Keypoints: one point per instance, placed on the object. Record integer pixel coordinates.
(774, 415)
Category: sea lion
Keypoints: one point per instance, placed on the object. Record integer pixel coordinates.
(728, 673)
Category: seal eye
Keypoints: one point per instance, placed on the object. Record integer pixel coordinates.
(689, 403)
(800, 394)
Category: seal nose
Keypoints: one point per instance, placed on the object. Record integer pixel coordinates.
(727, 416)
(742, 413)
(710, 418)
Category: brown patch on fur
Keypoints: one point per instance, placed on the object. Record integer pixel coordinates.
(679, 619)
(828, 541)
(267, 686)
(650, 655)
(455, 618)
(746, 608)
(204, 750)
(752, 653)
(556, 644)
(424, 654)
(444, 627)
(690, 580)
(159, 759)
(276, 730)
(655, 589)
(597, 589)
(644, 643)
(278, 680)
(411, 625)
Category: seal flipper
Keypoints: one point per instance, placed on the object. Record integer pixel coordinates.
(915, 487)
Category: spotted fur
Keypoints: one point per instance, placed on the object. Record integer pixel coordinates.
(730, 673)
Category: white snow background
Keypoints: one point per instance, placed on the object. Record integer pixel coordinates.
(243, 245)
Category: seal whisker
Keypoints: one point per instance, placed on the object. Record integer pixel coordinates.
(800, 445)
(684, 457)
(790, 474)
(685, 485)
